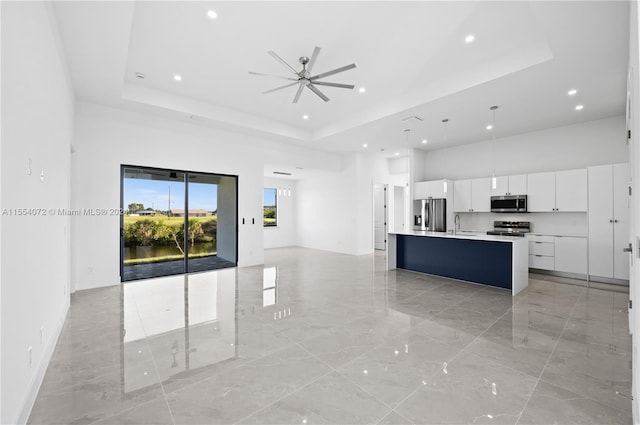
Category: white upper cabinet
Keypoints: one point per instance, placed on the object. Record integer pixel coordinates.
(518, 184)
(481, 195)
(510, 185)
(472, 195)
(557, 191)
(431, 189)
(462, 196)
(437, 188)
(421, 190)
(502, 186)
(541, 188)
(571, 190)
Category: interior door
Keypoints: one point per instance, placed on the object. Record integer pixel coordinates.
(398, 208)
(380, 216)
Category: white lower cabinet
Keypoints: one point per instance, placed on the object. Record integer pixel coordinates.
(566, 254)
(541, 252)
(571, 254)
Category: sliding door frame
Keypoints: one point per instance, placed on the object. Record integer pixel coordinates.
(185, 173)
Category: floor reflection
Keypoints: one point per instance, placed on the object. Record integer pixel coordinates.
(177, 325)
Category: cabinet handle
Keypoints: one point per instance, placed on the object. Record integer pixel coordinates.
(538, 242)
(538, 255)
(629, 249)
(610, 221)
(615, 221)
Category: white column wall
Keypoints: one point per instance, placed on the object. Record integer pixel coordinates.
(37, 132)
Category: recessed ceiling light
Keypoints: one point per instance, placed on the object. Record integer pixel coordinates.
(362, 90)
(140, 75)
(572, 92)
(364, 145)
(424, 141)
(469, 38)
(489, 127)
(212, 14)
(177, 77)
(305, 117)
(579, 107)
(397, 153)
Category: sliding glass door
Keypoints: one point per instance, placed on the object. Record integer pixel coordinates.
(176, 222)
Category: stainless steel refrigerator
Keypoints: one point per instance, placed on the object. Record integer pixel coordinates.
(430, 214)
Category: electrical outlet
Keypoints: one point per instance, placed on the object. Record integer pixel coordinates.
(29, 356)
(41, 335)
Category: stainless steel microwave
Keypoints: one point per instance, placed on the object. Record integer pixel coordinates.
(509, 203)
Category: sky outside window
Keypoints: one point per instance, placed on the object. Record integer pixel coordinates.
(155, 194)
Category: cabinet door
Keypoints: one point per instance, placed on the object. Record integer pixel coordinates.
(518, 184)
(502, 186)
(571, 254)
(462, 195)
(481, 195)
(621, 201)
(541, 188)
(421, 190)
(436, 189)
(571, 190)
(601, 221)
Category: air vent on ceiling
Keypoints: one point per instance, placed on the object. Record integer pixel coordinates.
(282, 173)
(413, 118)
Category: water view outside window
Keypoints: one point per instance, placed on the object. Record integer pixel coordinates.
(270, 207)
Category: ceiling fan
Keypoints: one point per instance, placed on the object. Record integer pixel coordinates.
(304, 78)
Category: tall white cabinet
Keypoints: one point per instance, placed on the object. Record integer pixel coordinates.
(609, 221)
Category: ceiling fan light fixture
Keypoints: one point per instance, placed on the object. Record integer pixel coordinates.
(303, 78)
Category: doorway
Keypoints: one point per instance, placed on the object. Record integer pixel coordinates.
(380, 216)
(176, 222)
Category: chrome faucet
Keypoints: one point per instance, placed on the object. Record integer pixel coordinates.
(456, 224)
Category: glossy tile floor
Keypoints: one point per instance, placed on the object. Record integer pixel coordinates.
(317, 337)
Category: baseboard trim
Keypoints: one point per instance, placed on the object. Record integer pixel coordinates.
(577, 276)
(36, 382)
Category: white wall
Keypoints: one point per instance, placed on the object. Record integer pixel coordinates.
(37, 118)
(562, 148)
(284, 234)
(335, 210)
(107, 138)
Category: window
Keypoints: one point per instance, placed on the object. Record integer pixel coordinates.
(270, 207)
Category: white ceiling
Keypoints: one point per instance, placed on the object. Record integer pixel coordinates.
(410, 56)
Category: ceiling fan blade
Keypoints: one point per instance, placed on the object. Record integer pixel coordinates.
(274, 76)
(312, 61)
(279, 59)
(298, 93)
(342, 86)
(280, 88)
(318, 92)
(335, 71)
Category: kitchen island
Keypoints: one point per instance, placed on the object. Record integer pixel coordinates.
(501, 261)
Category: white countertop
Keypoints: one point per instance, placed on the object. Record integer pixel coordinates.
(461, 235)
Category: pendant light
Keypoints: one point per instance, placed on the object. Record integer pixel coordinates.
(444, 142)
(494, 181)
